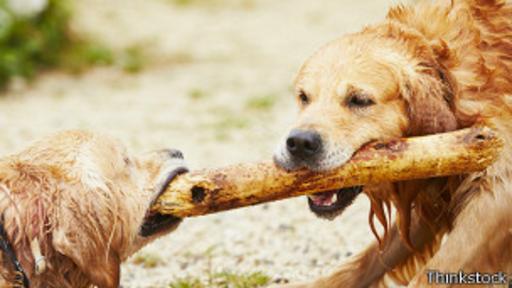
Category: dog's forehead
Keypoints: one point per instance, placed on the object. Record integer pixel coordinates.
(340, 69)
(74, 144)
(106, 144)
(109, 153)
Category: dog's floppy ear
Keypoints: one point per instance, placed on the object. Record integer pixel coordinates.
(102, 270)
(85, 230)
(430, 95)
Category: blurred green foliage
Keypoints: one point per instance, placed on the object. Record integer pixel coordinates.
(31, 43)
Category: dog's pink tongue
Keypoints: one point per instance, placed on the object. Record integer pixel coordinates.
(323, 199)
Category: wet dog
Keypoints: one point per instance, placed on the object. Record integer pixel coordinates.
(430, 67)
(73, 207)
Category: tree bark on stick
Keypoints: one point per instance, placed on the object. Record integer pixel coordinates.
(210, 190)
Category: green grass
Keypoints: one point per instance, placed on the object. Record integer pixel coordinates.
(133, 59)
(225, 122)
(83, 54)
(261, 103)
(197, 94)
(229, 279)
(183, 2)
(225, 125)
(225, 280)
(147, 260)
(230, 122)
(187, 283)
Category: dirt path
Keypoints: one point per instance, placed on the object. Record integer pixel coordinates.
(219, 91)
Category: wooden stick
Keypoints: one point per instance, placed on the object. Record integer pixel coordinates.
(207, 191)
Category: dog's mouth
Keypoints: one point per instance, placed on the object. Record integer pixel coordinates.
(155, 223)
(332, 203)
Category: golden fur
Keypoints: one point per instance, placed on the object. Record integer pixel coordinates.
(80, 199)
(430, 67)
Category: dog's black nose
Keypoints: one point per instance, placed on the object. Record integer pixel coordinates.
(304, 144)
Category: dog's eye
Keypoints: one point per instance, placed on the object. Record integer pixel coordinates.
(304, 99)
(359, 100)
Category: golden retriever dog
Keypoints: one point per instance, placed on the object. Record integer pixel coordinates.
(429, 67)
(73, 207)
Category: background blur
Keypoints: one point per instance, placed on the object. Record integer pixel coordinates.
(212, 78)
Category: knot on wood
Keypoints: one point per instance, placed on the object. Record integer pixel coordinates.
(198, 194)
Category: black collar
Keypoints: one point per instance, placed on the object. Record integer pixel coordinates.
(5, 245)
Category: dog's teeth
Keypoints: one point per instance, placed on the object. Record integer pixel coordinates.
(323, 200)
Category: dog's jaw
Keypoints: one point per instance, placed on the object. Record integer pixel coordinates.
(154, 223)
(330, 204)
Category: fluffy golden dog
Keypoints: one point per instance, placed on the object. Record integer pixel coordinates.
(74, 207)
(430, 67)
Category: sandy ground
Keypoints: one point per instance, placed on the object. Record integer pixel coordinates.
(219, 90)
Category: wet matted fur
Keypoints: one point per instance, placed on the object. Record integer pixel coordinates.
(73, 205)
(429, 67)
